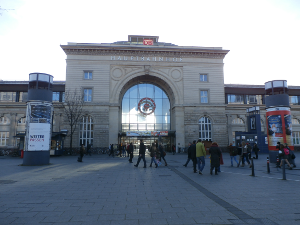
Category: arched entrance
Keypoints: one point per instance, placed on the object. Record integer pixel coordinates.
(146, 113)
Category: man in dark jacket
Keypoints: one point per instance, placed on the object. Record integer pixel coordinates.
(193, 155)
(189, 154)
(142, 152)
(162, 153)
(130, 152)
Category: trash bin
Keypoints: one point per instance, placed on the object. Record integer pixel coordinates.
(22, 153)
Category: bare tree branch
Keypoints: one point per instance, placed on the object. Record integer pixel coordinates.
(73, 106)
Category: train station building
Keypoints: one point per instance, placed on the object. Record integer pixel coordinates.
(145, 89)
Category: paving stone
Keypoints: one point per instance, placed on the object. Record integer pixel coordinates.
(107, 190)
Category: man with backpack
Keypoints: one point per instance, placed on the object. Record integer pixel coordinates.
(291, 155)
(233, 152)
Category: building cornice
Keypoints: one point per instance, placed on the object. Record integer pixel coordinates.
(177, 52)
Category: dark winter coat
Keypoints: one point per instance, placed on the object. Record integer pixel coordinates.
(193, 151)
(189, 152)
(232, 151)
(152, 151)
(255, 149)
(142, 149)
(215, 154)
(130, 149)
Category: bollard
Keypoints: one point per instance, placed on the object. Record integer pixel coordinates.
(268, 164)
(283, 169)
(252, 166)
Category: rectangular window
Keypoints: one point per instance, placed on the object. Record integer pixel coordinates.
(55, 97)
(296, 138)
(7, 96)
(63, 97)
(4, 136)
(204, 96)
(23, 97)
(294, 100)
(87, 94)
(235, 99)
(203, 77)
(88, 75)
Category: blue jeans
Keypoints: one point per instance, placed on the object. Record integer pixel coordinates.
(201, 163)
(233, 157)
(153, 160)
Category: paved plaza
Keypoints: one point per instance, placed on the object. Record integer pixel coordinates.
(105, 190)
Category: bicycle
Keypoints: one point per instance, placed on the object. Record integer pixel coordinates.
(5, 152)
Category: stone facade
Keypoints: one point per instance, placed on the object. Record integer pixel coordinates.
(116, 67)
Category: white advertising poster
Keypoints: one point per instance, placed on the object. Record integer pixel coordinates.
(39, 137)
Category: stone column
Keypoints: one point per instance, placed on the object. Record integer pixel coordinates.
(179, 126)
(114, 122)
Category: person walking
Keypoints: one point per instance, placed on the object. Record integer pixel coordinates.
(81, 152)
(285, 157)
(232, 153)
(189, 155)
(244, 154)
(142, 152)
(256, 150)
(130, 152)
(173, 149)
(200, 155)
(152, 155)
(162, 153)
(193, 155)
(124, 150)
(291, 155)
(111, 152)
(215, 154)
(88, 149)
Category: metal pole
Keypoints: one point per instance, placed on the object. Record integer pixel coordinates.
(283, 169)
(252, 166)
(268, 164)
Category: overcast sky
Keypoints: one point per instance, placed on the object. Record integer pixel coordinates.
(263, 36)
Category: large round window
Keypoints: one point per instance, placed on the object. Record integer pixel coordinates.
(145, 107)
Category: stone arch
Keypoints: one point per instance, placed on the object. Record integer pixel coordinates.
(154, 77)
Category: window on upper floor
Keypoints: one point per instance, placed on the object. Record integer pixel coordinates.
(7, 96)
(87, 94)
(55, 97)
(238, 121)
(295, 121)
(4, 120)
(4, 136)
(294, 100)
(254, 99)
(23, 96)
(296, 138)
(203, 96)
(203, 77)
(88, 75)
(22, 121)
(235, 99)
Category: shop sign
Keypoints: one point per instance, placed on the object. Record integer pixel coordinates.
(146, 133)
